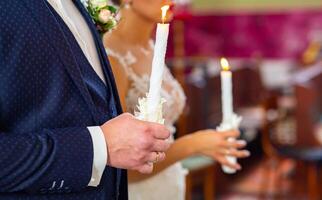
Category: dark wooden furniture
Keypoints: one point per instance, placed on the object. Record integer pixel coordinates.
(307, 149)
(201, 173)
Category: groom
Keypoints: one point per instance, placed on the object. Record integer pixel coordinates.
(60, 137)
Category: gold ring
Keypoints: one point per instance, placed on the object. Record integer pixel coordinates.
(157, 158)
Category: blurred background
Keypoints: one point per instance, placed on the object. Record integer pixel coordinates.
(275, 51)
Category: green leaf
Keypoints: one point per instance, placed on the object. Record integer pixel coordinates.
(112, 9)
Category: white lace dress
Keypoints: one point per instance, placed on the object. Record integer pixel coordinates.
(169, 184)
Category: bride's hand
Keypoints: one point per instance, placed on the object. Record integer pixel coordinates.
(216, 145)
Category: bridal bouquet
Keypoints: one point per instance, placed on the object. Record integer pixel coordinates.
(103, 14)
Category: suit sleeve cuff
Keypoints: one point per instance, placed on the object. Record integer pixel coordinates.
(100, 155)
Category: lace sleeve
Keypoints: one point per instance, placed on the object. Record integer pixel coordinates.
(125, 62)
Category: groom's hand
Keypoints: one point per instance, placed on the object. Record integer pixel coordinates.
(132, 144)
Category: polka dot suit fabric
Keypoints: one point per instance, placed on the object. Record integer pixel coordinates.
(49, 95)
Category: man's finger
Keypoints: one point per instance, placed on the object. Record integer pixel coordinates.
(162, 156)
(160, 145)
(146, 168)
(159, 131)
(155, 157)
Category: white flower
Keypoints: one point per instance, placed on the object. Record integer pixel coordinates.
(98, 3)
(104, 16)
(101, 13)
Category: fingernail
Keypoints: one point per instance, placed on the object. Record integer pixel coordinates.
(241, 142)
(247, 153)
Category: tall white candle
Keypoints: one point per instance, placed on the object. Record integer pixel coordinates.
(227, 92)
(158, 65)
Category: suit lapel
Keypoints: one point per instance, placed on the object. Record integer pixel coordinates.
(51, 27)
(102, 54)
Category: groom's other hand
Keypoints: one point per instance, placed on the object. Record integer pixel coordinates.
(132, 144)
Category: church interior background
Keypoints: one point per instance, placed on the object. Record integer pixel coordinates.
(275, 51)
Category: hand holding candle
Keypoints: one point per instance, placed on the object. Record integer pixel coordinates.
(230, 119)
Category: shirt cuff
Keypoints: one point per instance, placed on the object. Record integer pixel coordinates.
(100, 155)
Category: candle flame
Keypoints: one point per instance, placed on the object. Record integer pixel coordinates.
(224, 64)
(164, 12)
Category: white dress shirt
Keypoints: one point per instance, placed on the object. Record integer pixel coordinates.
(78, 26)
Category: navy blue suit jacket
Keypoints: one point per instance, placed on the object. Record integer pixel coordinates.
(49, 95)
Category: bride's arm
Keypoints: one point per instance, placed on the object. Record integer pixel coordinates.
(204, 142)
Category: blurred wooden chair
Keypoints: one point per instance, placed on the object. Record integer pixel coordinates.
(201, 173)
(306, 150)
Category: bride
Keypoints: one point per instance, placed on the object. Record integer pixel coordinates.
(130, 51)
